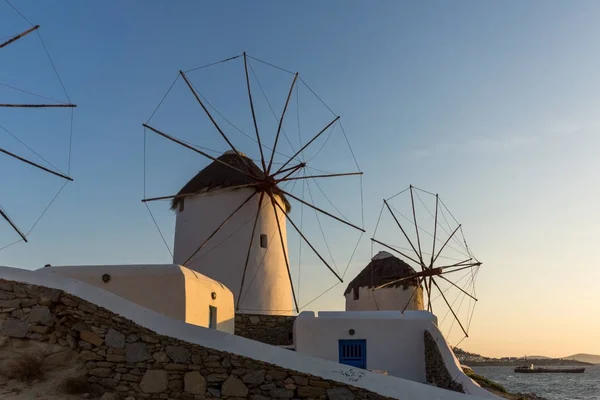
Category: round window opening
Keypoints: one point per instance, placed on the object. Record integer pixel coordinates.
(351, 332)
(105, 278)
(213, 295)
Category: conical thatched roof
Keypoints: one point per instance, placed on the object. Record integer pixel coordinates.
(383, 268)
(218, 176)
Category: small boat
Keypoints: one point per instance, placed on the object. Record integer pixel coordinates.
(541, 370)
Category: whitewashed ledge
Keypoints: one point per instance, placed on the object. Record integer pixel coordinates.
(377, 383)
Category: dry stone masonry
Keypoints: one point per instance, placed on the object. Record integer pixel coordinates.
(435, 369)
(126, 361)
(277, 330)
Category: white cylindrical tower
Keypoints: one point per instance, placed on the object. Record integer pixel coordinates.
(206, 204)
(384, 268)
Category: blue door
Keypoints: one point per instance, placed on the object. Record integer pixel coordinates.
(353, 353)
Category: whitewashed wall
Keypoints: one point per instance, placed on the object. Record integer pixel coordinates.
(394, 341)
(267, 288)
(384, 385)
(169, 289)
(389, 298)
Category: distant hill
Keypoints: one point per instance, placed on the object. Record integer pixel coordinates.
(589, 358)
(537, 357)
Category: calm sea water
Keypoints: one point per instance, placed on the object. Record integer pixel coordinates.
(584, 386)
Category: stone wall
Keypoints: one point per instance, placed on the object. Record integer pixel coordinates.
(435, 368)
(133, 362)
(277, 330)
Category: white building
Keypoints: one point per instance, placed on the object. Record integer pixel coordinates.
(384, 268)
(388, 342)
(171, 290)
(208, 200)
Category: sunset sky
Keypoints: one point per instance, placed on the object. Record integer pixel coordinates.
(494, 105)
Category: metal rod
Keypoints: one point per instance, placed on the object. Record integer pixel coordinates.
(458, 287)
(287, 101)
(262, 195)
(187, 146)
(287, 264)
(19, 36)
(445, 243)
(3, 215)
(450, 307)
(177, 196)
(319, 176)
(26, 161)
(396, 250)
(402, 229)
(189, 84)
(38, 105)
(307, 144)
(262, 156)
(434, 229)
(412, 200)
(321, 211)
(218, 228)
(311, 246)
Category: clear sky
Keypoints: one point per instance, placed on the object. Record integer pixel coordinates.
(493, 105)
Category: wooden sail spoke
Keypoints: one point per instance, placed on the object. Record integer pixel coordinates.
(396, 250)
(445, 243)
(477, 264)
(36, 165)
(309, 244)
(178, 196)
(412, 200)
(218, 228)
(434, 230)
(12, 224)
(319, 176)
(189, 84)
(405, 235)
(285, 255)
(450, 307)
(423, 274)
(287, 102)
(19, 36)
(262, 196)
(187, 146)
(458, 287)
(38, 105)
(262, 156)
(411, 296)
(458, 264)
(321, 211)
(293, 169)
(307, 144)
(291, 172)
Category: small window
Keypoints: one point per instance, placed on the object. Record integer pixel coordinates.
(181, 204)
(263, 241)
(353, 353)
(212, 317)
(355, 294)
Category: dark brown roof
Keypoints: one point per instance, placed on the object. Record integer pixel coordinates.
(217, 176)
(383, 270)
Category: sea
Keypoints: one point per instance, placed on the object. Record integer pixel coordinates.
(584, 386)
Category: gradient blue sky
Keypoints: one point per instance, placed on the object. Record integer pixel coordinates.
(492, 104)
